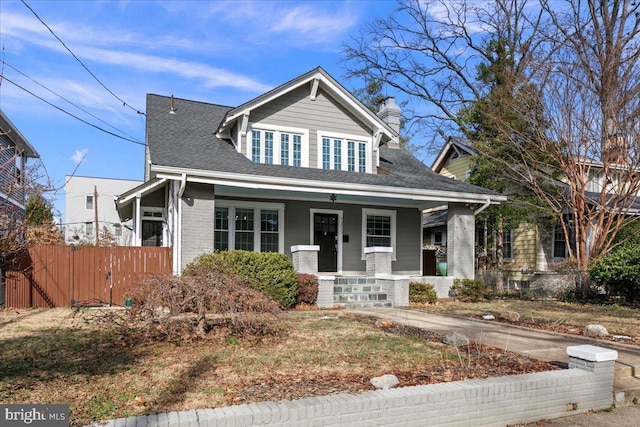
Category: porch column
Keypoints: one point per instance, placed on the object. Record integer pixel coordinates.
(378, 260)
(461, 231)
(305, 258)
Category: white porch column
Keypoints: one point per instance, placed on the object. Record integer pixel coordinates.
(137, 222)
(305, 258)
(461, 231)
(378, 260)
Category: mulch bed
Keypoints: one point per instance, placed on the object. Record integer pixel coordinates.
(485, 362)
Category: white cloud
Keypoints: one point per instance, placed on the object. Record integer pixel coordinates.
(79, 155)
(87, 48)
(315, 25)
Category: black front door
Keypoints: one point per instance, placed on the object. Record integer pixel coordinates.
(325, 232)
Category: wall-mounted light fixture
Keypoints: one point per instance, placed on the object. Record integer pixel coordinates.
(333, 197)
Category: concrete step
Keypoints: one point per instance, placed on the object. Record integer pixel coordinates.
(626, 390)
(625, 370)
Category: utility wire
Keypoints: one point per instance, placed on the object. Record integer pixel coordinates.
(65, 99)
(71, 114)
(124, 104)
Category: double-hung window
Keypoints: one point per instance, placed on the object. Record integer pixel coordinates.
(248, 226)
(507, 245)
(88, 201)
(560, 247)
(379, 229)
(347, 153)
(277, 146)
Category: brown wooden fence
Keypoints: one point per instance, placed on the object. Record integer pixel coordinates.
(62, 276)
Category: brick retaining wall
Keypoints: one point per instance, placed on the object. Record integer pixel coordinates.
(490, 402)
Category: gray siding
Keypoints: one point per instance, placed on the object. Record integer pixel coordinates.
(295, 109)
(198, 225)
(408, 234)
(197, 221)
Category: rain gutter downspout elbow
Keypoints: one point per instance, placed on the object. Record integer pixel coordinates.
(183, 185)
(487, 203)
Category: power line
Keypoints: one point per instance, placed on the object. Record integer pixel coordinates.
(71, 114)
(65, 99)
(124, 104)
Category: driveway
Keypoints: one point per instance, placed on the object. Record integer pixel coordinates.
(541, 345)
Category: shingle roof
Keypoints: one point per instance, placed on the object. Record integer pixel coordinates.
(187, 140)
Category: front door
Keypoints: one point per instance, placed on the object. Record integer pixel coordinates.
(325, 232)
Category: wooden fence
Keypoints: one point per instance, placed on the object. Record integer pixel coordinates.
(63, 276)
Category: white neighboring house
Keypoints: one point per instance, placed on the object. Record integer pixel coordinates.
(80, 204)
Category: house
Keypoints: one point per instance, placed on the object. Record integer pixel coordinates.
(304, 169)
(87, 197)
(14, 152)
(526, 249)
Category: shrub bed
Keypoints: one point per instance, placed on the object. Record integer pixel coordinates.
(271, 273)
(468, 290)
(422, 293)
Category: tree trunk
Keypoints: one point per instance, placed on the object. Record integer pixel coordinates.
(499, 255)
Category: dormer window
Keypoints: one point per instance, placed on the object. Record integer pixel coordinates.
(278, 146)
(347, 153)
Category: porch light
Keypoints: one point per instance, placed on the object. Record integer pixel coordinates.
(333, 197)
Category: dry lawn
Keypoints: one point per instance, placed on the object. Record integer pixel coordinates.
(50, 356)
(550, 315)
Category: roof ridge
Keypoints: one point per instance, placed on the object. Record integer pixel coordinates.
(195, 101)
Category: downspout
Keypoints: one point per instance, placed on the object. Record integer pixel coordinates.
(487, 203)
(178, 243)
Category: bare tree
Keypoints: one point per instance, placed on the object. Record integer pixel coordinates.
(573, 78)
(429, 50)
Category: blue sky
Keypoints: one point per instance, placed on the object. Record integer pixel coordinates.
(223, 52)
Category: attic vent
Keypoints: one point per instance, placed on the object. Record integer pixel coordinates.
(173, 109)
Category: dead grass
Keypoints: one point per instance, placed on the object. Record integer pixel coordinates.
(50, 356)
(555, 315)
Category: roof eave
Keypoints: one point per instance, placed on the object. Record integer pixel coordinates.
(324, 187)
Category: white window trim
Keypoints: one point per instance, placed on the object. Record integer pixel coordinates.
(277, 131)
(340, 214)
(382, 212)
(86, 196)
(152, 218)
(256, 206)
(86, 232)
(344, 138)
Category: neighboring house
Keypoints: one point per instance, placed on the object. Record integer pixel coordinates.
(526, 249)
(81, 206)
(14, 152)
(306, 170)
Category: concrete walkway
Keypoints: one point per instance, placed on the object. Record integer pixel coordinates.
(541, 345)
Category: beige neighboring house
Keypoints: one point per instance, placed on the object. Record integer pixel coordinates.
(81, 204)
(528, 250)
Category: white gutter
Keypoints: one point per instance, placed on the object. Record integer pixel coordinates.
(278, 183)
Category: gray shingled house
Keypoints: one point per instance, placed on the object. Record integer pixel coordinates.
(305, 170)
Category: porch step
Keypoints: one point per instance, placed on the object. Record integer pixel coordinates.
(359, 292)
